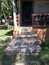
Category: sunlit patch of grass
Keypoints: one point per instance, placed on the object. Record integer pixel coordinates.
(4, 41)
(3, 31)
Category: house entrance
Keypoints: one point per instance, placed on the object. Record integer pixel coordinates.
(26, 13)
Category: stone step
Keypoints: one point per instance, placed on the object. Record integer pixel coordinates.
(23, 45)
(23, 49)
(27, 33)
(26, 28)
(25, 40)
(31, 35)
(27, 43)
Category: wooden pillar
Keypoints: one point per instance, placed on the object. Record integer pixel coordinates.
(19, 11)
(14, 14)
(15, 31)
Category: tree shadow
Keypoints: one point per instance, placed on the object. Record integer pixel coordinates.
(9, 33)
(35, 60)
(9, 59)
(6, 59)
(3, 27)
(5, 42)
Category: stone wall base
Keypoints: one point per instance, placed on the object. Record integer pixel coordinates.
(43, 33)
(15, 32)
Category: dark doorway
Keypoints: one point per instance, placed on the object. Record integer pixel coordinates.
(26, 13)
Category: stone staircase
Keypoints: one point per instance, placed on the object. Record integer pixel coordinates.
(27, 43)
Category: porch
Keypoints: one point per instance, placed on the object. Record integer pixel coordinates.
(36, 15)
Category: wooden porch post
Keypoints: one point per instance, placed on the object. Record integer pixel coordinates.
(19, 5)
(15, 31)
(19, 11)
(14, 14)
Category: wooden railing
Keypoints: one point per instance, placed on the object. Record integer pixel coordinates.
(40, 19)
(37, 20)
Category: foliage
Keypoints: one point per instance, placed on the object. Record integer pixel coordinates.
(4, 40)
(45, 44)
(6, 7)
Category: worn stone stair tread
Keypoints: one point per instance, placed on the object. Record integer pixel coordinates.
(19, 42)
(23, 49)
(29, 35)
(27, 30)
(25, 33)
(25, 46)
(33, 35)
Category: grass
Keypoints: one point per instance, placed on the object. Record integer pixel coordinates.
(5, 33)
(4, 30)
(41, 59)
(4, 39)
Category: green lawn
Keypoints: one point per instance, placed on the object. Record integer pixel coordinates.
(41, 59)
(5, 34)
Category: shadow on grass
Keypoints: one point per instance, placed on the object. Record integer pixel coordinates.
(28, 60)
(36, 60)
(6, 41)
(9, 33)
(41, 59)
(3, 27)
(45, 44)
(9, 60)
(6, 59)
